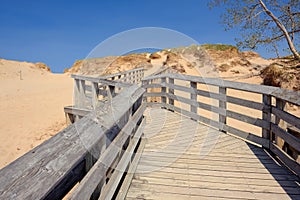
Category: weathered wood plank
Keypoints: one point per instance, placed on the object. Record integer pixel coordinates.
(107, 76)
(194, 157)
(204, 106)
(266, 183)
(242, 171)
(161, 163)
(171, 91)
(247, 103)
(250, 120)
(289, 96)
(76, 111)
(101, 80)
(95, 94)
(222, 105)
(193, 97)
(214, 185)
(151, 190)
(145, 194)
(129, 175)
(261, 89)
(287, 137)
(39, 167)
(285, 158)
(110, 188)
(154, 85)
(289, 118)
(216, 124)
(147, 169)
(156, 94)
(76, 97)
(163, 91)
(88, 185)
(49, 168)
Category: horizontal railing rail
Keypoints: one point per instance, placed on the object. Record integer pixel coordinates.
(130, 76)
(96, 149)
(212, 101)
(90, 92)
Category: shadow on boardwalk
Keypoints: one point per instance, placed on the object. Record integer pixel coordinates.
(288, 181)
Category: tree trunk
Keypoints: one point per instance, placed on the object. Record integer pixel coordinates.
(283, 29)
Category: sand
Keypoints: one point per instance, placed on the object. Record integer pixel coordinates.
(31, 108)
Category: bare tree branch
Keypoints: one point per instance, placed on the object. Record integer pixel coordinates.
(283, 29)
(263, 23)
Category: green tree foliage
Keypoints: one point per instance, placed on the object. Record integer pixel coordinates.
(265, 22)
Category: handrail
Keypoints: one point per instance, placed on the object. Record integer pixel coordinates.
(124, 72)
(164, 89)
(50, 170)
(284, 94)
(89, 90)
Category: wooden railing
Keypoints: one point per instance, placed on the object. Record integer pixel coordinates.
(97, 150)
(95, 157)
(129, 76)
(90, 92)
(212, 101)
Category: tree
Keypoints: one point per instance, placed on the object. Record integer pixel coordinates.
(263, 22)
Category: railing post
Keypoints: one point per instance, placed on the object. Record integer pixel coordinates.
(129, 77)
(171, 91)
(163, 91)
(79, 93)
(82, 93)
(133, 77)
(280, 105)
(145, 82)
(222, 105)
(267, 101)
(76, 93)
(142, 74)
(95, 94)
(193, 96)
(119, 88)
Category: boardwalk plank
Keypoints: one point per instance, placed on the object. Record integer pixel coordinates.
(205, 164)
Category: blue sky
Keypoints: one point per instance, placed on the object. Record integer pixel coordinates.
(60, 32)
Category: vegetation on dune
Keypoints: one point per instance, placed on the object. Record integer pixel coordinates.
(43, 66)
(280, 76)
(219, 47)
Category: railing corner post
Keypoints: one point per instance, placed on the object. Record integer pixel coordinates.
(144, 83)
(95, 94)
(171, 92)
(163, 91)
(223, 106)
(266, 133)
(193, 96)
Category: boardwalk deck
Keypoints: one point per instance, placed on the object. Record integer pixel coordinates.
(184, 159)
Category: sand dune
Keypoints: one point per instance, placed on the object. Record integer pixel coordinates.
(31, 108)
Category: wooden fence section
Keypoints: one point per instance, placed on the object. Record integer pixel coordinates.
(96, 150)
(90, 92)
(181, 93)
(129, 76)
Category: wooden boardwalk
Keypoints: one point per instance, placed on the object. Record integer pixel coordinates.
(184, 159)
